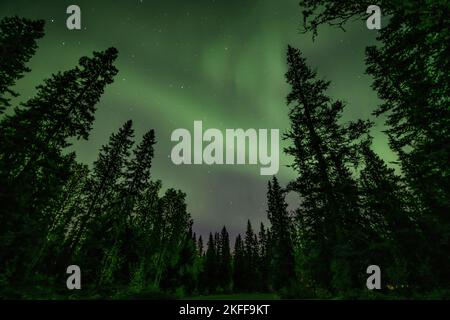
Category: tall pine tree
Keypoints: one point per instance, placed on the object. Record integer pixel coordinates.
(91, 235)
(239, 281)
(323, 151)
(224, 257)
(210, 266)
(282, 264)
(18, 43)
(251, 259)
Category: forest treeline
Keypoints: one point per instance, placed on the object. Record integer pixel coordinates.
(130, 239)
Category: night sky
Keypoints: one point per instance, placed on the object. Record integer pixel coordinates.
(222, 62)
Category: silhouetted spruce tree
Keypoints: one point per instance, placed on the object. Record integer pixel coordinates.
(217, 244)
(176, 222)
(91, 235)
(282, 264)
(34, 164)
(200, 266)
(323, 152)
(182, 276)
(251, 259)
(148, 226)
(210, 266)
(239, 282)
(397, 241)
(18, 43)
(200, 246)
(264, 258)
(224, 257)
(136, 179)
(63, 213)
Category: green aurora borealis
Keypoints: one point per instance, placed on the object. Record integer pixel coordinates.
(221, 62)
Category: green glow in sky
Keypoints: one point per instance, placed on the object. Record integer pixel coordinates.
(221, 62)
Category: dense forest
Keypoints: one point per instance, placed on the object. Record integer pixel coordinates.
(132, 240)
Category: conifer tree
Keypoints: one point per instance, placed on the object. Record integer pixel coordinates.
(210, 267)
(200, 246)
(147, 226)
(94, 222)
(18, 43)
(224, 257)
(63, 218)
(396, 238)
(251, 259)
(176, 222)
(264, 257)
(136, 179)
(239, 280)
(217, 244)
(323, 152)
(183, 275)
(282, 261)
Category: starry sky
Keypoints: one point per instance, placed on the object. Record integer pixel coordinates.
(222, 62)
